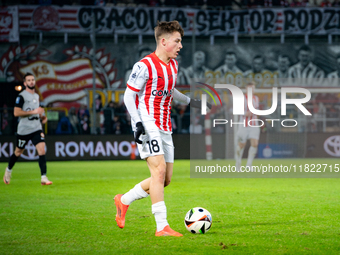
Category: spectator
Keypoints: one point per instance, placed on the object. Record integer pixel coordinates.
(84, 120)
(117, 126)
(110, 3)
(99, 107)
(64, 127)
(295, 3)
(154, 3)
(45, 2)
(282, 3)
(336, 3)
(99, 2)
(6, 122)
(73, 120)
(326, 3)
(108, 117)
(268, 3)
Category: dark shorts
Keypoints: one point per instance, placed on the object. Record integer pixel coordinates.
(36, 137)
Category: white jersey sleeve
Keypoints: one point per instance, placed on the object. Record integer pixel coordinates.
(130, 97)
(138, 77)
(181, 97)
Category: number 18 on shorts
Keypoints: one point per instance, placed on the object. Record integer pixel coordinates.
(157, 143)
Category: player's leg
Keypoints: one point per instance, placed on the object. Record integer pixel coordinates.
(159, 209)
(168, 174)
(254, 135)
(157, 168)
(140, 190)
(39, 141)
(241, 143)
(21, 143)
(252, 151)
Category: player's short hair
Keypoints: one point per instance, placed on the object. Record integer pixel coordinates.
(284, 56)
(199, 54)
(305, 48)
(167, 27)
(258, 57)
(231, 53)
(27, 74)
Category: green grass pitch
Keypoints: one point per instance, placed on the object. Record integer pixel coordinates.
(76, 214)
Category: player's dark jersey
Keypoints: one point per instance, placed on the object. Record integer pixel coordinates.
(28, 102)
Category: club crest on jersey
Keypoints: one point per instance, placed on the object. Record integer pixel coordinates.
(160, 93)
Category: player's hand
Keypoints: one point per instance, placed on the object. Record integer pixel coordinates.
(39, 111)
(196, 103)
(43, 119)
(140, 131)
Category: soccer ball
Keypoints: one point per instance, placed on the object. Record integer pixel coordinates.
(198, 220)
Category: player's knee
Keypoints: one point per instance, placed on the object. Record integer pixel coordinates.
(42, 152)
(159, 173)
(18, 152)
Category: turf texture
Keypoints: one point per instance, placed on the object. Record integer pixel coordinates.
(76, 214)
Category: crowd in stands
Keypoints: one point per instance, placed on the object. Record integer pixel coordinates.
(201, 4)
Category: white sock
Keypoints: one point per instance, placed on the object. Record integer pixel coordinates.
(43, 176)
(134, 194)
(9, 170)
(251, 155)
(159, 211)
(238, 157)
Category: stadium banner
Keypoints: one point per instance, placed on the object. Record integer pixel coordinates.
(64, 70)
(87, 147)
(323, 145)
(9, 24)
(277, 150)
(142, 20)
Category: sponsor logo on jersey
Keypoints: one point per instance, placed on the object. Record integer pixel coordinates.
(161, 93)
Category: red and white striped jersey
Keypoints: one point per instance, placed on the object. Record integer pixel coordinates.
(256, 104)
(154, 81)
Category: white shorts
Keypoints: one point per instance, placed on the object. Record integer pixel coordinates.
(245, 133)
(155, 143)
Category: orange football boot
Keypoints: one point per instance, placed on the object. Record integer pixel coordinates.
(121, 211)
(167, 231)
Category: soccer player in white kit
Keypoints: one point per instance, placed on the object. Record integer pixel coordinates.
(246, 132)
(148, 96)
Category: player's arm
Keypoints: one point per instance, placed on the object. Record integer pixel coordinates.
(130, 97)
(43, 118)
(19, 112)
(135, 83)
(196, 103)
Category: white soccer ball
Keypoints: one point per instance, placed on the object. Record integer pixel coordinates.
(198, 220)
